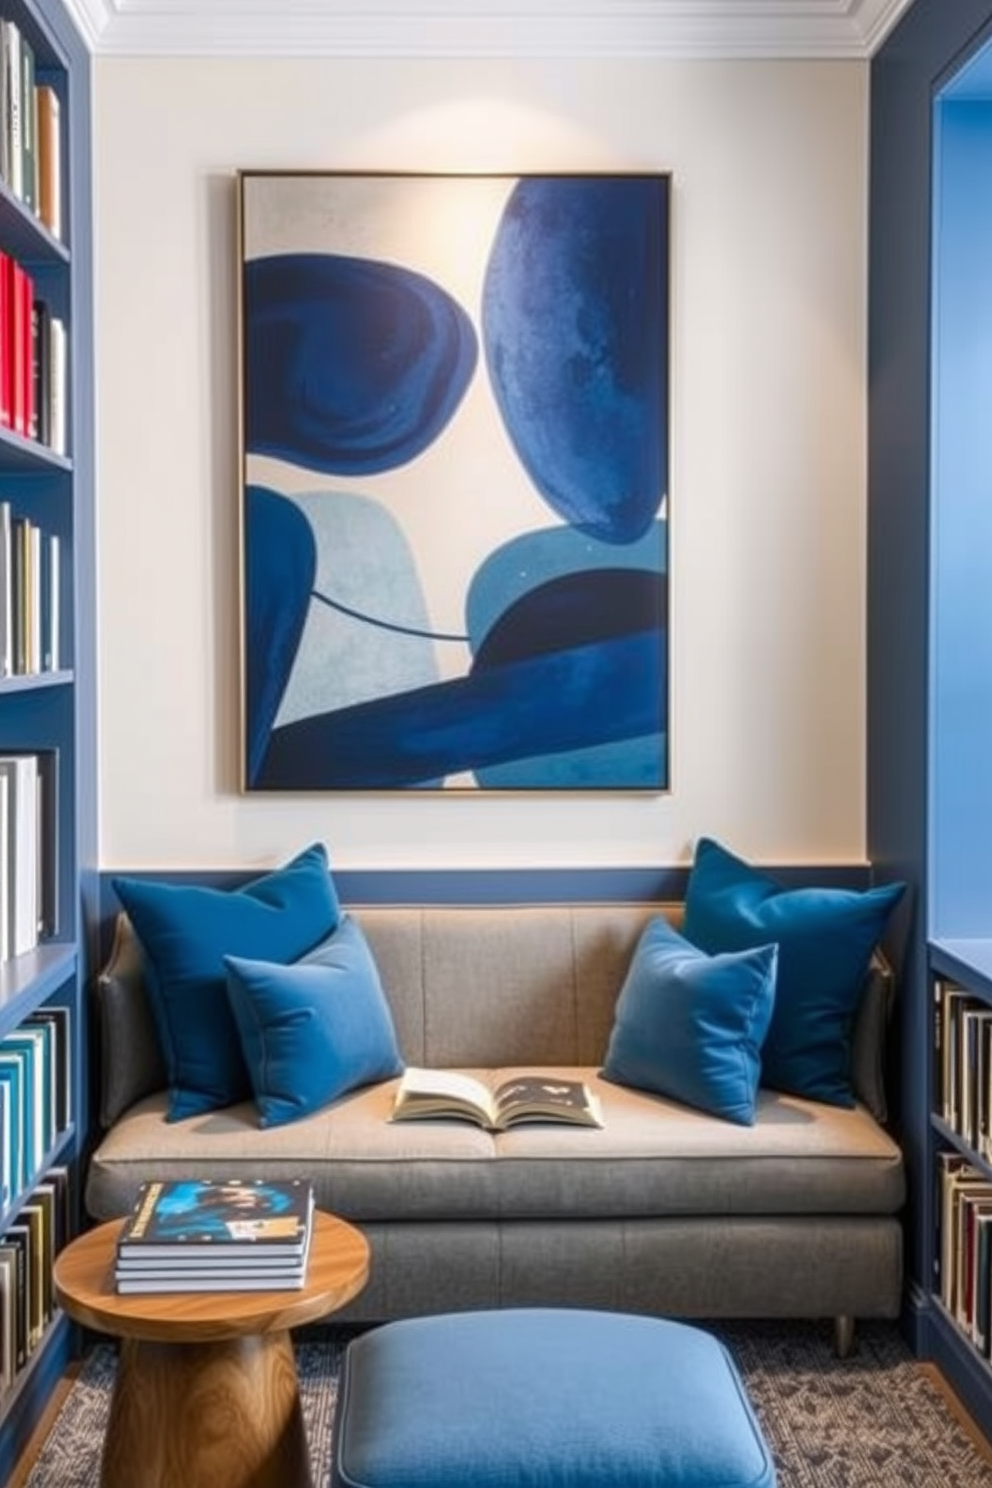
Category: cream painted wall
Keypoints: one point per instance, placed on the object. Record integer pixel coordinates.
(769, 165)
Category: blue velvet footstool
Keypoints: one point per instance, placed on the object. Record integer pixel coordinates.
(544, 1398)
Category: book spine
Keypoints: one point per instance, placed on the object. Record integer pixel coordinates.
(51, 659)
(6, 341)
(49, 159)
(10, 60)
(29, 127)
(6, 591)
(41, 371)
(58, 394)
(17, 340)
(5, 941)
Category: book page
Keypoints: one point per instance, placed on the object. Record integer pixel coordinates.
(446, 1085)
(540, 1092)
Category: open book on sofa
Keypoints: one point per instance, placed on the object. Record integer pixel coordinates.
(430, 1093)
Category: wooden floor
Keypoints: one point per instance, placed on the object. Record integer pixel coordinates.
(20, 1474)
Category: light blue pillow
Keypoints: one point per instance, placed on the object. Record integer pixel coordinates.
(825, 939)
(185, 932)
(314, 1030)
(690, 1026)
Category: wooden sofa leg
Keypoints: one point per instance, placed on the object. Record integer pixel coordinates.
(843, 1335)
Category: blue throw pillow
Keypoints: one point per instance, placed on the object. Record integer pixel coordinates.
(825, 939)
(313, 1030)
(690, 1026)
(185, 932)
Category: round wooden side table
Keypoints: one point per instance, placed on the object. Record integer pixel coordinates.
(206, 1393)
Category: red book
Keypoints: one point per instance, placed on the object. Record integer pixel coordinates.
(6, 412)
(26, 360)
(16, 342)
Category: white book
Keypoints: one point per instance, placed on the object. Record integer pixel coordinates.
(6, 591)
(13, 123)
(58, 370)
(21, 866)
(35, 548)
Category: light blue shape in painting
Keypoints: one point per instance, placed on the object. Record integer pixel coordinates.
(366, 634)
(533, 558)
(606, 608)
(575, 332)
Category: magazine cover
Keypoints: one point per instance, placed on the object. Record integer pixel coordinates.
(275, 1216)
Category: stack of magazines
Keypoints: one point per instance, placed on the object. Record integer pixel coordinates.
(197, 1235)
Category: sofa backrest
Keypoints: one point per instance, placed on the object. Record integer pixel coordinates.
(474, 985)
(527, 984)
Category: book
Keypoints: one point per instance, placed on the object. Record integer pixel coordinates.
(6, 590)
(20, 877)
(29, 127)
(34, 1042)
(188, 1219)
(15, 1240)
(10, 65)
(57, 1019)
(8, 1157)
(51, 603)
(11, 1075)
(41, 317)
(8, 1316)
(47, 835)
(198, 1282)
(49, 159)
(426, 1093)
(5, 829)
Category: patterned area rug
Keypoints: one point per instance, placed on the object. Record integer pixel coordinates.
(874, 1420)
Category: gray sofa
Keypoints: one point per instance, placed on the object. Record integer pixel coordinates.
(665, 1210)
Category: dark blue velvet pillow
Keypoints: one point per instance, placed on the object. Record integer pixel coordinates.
(186, 931)
(690, 1026)
(825, 939)
(315, 1029)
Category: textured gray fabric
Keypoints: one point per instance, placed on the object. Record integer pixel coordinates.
(131, 1060)
(652, 1158)
(730, 1267)
(493, 985)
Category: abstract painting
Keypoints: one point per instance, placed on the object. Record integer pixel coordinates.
(454, 494)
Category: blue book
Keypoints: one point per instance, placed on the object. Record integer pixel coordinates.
(11, 1066)
(38, 1133)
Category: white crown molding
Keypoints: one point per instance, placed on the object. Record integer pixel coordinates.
(488, 28)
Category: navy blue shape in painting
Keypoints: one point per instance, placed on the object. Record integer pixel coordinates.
(351, 366)
(579, 663)
(280, 565)
(575, 329)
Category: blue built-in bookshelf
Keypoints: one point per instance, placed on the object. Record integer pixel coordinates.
(930, 632)
(51, 710)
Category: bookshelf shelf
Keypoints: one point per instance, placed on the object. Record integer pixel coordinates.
(36, 680)
(19, 454)
(34, 977)
(50, 715)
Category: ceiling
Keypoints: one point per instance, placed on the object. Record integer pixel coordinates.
(487, 28)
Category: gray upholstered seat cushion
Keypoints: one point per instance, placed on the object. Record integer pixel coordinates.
(653, 1158)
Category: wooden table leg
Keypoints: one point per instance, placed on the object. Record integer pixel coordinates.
(224, 1414)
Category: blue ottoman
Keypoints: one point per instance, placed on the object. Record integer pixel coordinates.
(544, 1398)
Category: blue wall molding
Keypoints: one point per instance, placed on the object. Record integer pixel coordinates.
(456, 886)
